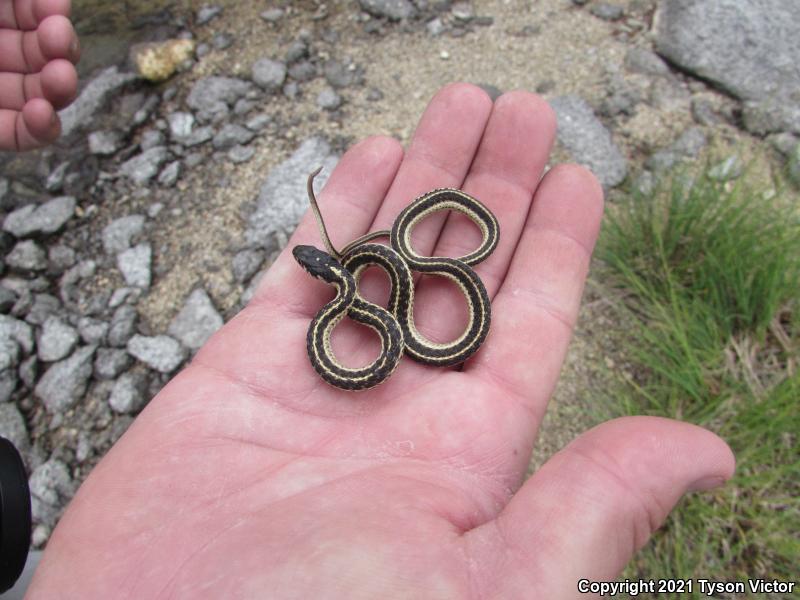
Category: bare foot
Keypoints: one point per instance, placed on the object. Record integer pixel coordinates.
(38, 51)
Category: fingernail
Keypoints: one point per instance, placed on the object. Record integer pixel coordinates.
(706, 483)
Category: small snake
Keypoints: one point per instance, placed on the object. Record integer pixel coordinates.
(395, 326)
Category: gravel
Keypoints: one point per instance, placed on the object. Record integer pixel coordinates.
(390, 9)
(269, 74)
(81, 113)
(161, 353)
(45, 218)
(180, 125)
(142, 168)
(241, 154)
(65, 381)
(645, 62)
(12, 427)
(328, 99)
(123, 326)
(110, 362)
(197, 320)
(51, 487)
(127, 396)
(588, 140)
(207, 13)
(17, 330)
(27, 256)
(104, 143)
(119, 234)
(211, 97)
(92, 331)
(607, 12)
(169, 174)
(9, 353)
(231, 135)
(134, 264)
(56, 340)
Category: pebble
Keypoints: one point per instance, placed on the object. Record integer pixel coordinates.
(690, 142)
(435, 27)
(588, 140)
(134, 264)
(180, 125)
(65, 381)
(241, 154)
(201, 135)
(55, 179)
(703, 112)
(169, 175)
(784, 142)
(210, 97)
(127, 396)
(207, 13)
(8, 385)
(258, 122)
(161, 353)
(269, 74)
(728, 169)
(155, 209)
(374, 95)
(231, 135)
(462, 11)
(119, 234)
(394, 10)
(51, 487)
(27, 256)
(142, 168)
(110, 362)
(61, 258)
(645, 62)
(29, 371)
(339, 75)
(123, 326)
(272, 15)
(158, 61)
(92, 331)
(303, 71)
(42, 307)
(56, 340)
(12, 427)
(197, 320)
(81, 113)
(7, 299)
(243, 106)
(192, 160)
(247, 263)
(152, 138)
(45, 218)
(297, 49)
(9, 353)
(104, 143)
(19, 331)
(328, 99)
(606, 11)
(222, 41)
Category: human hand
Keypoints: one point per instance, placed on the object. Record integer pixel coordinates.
(249, 477)
(38, 50)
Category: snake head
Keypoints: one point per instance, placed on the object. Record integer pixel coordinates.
(319, 264)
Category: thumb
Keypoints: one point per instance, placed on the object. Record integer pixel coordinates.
(592, 505)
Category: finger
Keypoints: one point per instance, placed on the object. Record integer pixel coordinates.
(59, 83)
(27, 14)
(597, 502)
(536, 307)
(30, 51)
(512, 155)
(35, 126)
(348, 203)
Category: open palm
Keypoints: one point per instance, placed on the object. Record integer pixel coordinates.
(248, 477)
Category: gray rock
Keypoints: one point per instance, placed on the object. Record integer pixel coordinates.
(194, 159)
(282, 199)
(9, 353)
(222, 41)
(197, 320)
(93, 331)
(339, 75)
(232, 135)
(7, 299)
(134, 264)
(246, 264)
(110, 362)
(258, 122)
(142, 168)
(104, 143)
(51, 488)
(704, 113)
(45, 218)
(272, 15)
(241, 154)
(374, 95)
(201, 135)
(161, 353)
(607, 12)
(43, 306)
(435, 27)
(19, 331)
(269, 74)
(60, 258)
(56, 340)
(169, 174)
(12, 427)
(65, 381)
(588, 141)
(55, 179)
(297, 49)
(690, 142)
(128, 394)
(391, 9)
(81, 113)
(27, 256)
(303, 71)
(328, 99)
(208, 12)
(211, 96)
(772, 115)
(8, 384)
(152, 138)
(645, 62)
(784, 142)
(793, 166)
(119, 234)
(121, 295)
(29, 371)
(728, 169)
(180, 125)
(751, 49)
(662, 160)
(155, 209)
(123, 326)
(243, 106)
(3, 189)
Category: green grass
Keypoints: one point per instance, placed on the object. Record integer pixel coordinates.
(708, 280)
